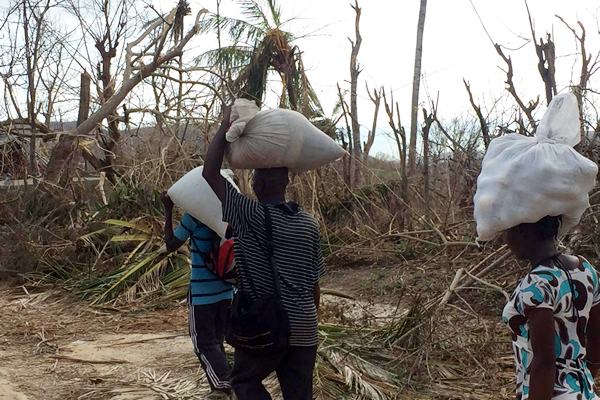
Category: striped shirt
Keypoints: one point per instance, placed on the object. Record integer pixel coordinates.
(205, 287)
(297, 253)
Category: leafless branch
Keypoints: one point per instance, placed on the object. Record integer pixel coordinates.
(510, 87)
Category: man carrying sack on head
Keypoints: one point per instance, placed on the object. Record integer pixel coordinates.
(273, 320)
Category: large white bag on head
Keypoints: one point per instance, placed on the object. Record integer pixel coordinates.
(523, 179)
(282, 138)
(194, 195)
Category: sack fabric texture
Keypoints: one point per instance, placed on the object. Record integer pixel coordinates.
(194, 195)
(281, 138)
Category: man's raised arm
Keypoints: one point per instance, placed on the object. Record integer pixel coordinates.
(214, 158)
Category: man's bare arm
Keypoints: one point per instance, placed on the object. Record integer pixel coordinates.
(214, 158)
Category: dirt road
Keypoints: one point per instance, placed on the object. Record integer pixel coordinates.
(52, 347)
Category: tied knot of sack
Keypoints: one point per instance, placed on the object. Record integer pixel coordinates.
(560, 124)
(562, 139)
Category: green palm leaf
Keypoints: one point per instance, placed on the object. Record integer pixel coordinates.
(109, 293)
(89, 236)
(230, 57)
(254, 12)
(130, 238)
(238, 29)
(129, 224)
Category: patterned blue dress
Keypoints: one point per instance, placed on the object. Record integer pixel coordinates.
(548, 287)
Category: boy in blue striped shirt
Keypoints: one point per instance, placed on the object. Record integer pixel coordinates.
(209, 298)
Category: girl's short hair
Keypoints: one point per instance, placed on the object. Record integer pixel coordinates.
(547, 227)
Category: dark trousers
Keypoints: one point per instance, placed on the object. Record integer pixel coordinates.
(207, 331)
(294, 369)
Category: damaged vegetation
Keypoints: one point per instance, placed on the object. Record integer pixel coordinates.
(411, 304)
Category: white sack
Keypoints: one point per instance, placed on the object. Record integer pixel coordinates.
(523, 179)
(242, 112)
(237, 129)
(194, 195)
(282, 138)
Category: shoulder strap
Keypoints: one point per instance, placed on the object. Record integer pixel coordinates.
(271, 250)
(203, 254)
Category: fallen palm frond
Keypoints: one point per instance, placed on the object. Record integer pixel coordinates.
(33, 299)
(351, 364)
(150, 385)
(362, 376)
(144, 265)
(401, 328)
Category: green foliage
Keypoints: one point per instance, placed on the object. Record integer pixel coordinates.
(260, 45)
(144, 266)
(238, 30)
(255, 11)
(123, 253)
(131, 199)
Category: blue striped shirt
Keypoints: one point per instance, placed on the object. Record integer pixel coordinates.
(205, 287)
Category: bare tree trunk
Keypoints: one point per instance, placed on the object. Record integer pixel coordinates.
(404, 173)
(33, 48)
(180, 62)
(180, 89)
(223, 83)
(60, 158)
(84, 111)
(485, 132)
(510, 87)
(400, 136)
(30, 93)
(376, 99)
(347, 160)
(108, 51)
(412, 151)
(587, 69)
(546, 55)
(429, 119)
(354, 72)
(84, 97)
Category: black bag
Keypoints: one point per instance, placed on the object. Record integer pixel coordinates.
(259, 327)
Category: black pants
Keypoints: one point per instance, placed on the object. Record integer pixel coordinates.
(207, 331)
(294, 369)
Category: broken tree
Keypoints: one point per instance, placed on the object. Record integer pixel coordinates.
(139, 65)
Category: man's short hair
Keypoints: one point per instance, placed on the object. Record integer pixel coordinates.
(269, 175)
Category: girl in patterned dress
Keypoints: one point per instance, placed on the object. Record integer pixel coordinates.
(554, 317)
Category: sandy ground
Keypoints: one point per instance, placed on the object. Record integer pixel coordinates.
(52, 347)
(129, 369)
(7, 392)
(55, 347)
